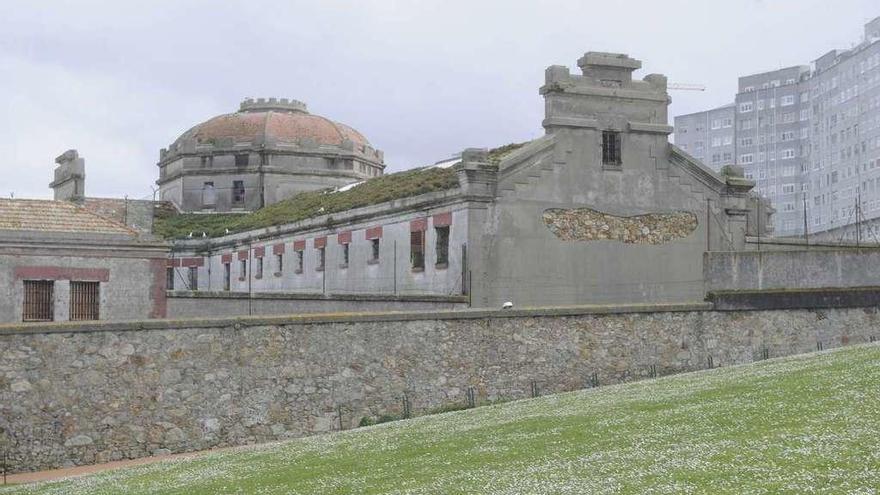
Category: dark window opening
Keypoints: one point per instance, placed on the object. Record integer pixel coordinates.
(169, 278)
(344, 263)
(611, 148)
(242, 269)
(321, 258)
(299, 262)
(193, 278)
(241, 160)
(209, 196)
(417, 250)
(227, 275)
(442, 246)
(258, 271)
(85, 301)
(374, 251)
(237, 192)
(39, 300)
(279, 263)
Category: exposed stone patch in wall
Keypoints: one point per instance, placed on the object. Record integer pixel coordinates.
(93, 396)
(585, 224)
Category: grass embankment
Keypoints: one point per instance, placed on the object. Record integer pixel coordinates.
(807, 424)
(315, 203)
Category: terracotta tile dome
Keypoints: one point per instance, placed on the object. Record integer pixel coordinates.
(272, 119)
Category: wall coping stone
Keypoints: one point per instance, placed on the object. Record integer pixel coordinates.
(308, 296)
(327, 318)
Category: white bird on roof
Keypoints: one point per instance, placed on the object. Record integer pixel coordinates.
(204, 234)
(227, 231)
(507, 305)
(190, 235)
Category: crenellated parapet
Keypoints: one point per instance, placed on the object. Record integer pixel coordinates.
(275, 104)
(605, 96)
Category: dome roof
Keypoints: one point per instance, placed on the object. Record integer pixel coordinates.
(279, 120)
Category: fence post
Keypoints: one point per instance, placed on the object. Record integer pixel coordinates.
(406, 409)
(534, 389)
(471, 398)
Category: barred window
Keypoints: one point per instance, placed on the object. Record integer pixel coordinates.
(321, 258)
(442, 246)
(169, 278)
(611, 148)
(39, 300)
(417, 249)
(193, 278)
(85, 301)
(344, 263)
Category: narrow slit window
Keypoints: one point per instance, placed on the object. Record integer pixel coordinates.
(299, 262)
(238, 193)
(442, 246)
(193, 278)
(169, 278)
(374, 251)
(258, 272)
(611, 148)
(345, 251)
(417, 249)
(322, 256)
(227, 275)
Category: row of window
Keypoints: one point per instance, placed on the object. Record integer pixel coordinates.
(418, 240)
(39, 301)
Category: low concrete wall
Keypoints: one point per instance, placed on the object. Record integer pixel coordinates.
(76, 394)
(188, 304)
(784, 269)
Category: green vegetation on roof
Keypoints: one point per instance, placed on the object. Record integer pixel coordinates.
(803, 424)
(311, 204)
(315, 203)
(496, 154)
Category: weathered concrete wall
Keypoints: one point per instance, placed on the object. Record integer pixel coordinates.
(217, 304)
(132, 285)
(792, 269)
(74, 394)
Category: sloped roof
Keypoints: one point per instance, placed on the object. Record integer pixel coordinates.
(38, 215)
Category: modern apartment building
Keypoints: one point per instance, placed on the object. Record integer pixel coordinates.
(810, 138)
(708, 135)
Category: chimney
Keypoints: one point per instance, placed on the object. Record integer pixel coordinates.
(70, 177)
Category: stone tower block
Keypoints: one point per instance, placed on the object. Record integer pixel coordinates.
(70, 177)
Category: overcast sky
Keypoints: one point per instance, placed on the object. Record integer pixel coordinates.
(422, 80)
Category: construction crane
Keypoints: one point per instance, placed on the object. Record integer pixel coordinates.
(686, 87)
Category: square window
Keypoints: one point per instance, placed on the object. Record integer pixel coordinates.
(85, 301)
(241, 160)
(39, 300)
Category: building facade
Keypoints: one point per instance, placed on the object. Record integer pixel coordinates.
(708, 136)
(271, 149)
(601, 209)
(808, 137)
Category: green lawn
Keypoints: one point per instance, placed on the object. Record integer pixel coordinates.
(808, 424)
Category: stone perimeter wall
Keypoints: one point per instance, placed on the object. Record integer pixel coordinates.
(77, 394)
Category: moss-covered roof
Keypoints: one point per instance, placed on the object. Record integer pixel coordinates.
(315, 203)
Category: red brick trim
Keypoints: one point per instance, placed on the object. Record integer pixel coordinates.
(226, 258)
(418, 225)
(189, 262)
(373, 233)
(242, 255)
(157, 289)
(320, 242)
(172, 263)
(278, 249)
(299, 245)
(259, 252)
(65, 273)
(344, 237)
(442, 219)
